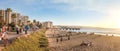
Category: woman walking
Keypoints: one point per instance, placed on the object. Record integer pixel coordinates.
(3, 35)
(26, 29)
(17, 30)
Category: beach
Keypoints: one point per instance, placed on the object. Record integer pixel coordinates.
(99, 42)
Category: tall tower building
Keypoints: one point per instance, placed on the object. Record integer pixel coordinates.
(8, 15)
(2, 17)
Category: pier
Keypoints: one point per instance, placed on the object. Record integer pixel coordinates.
(66, 27)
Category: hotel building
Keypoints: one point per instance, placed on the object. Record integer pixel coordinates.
(47, 24)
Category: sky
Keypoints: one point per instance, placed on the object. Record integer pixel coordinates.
(95, 13)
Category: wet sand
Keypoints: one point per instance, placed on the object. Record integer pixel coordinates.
(99, 43)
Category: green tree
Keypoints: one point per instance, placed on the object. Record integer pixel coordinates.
(28, 22)
(34, 22)
(14, 17)
(8, 10)
(20, 22)
(38, 24)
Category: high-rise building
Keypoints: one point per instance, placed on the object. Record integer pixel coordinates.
(5, 16)
(8, 15)
(2, 17)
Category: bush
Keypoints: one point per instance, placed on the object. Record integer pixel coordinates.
(34, 42)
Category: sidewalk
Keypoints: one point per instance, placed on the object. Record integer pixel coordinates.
(12, 36)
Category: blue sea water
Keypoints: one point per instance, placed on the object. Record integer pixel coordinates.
(99, 30)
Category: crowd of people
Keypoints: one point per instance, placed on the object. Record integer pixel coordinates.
(21, 29)
(4, 31)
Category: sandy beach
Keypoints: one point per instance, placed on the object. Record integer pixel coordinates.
(99, 42)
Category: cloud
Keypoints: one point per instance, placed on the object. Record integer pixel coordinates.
(109, 9)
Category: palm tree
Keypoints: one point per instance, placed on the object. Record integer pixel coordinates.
(14, 15)
(28, 22)
(9, 10)
(14, 18)
(20, 22)
(34, 21)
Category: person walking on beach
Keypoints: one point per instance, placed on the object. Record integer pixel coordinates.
(68, 37)
(17, 30)
(20, 30)
(26, 29)
(57, 39)
(61, 39)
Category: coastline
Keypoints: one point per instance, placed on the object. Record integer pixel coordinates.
(100, 42)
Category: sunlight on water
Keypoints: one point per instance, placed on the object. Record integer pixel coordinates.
(108, 32)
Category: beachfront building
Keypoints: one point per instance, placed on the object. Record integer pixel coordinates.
(14, 18)
(47, 24)
(19, 19)
(2, 17)
(8, 14)
(5, 16)
(24, 19)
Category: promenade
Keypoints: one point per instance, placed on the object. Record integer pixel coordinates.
(11, 36)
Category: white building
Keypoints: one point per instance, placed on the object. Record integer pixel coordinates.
(5, 15)
(25, 19)
(47, 24)
(8, 14)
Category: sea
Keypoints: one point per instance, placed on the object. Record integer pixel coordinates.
(100, 31)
